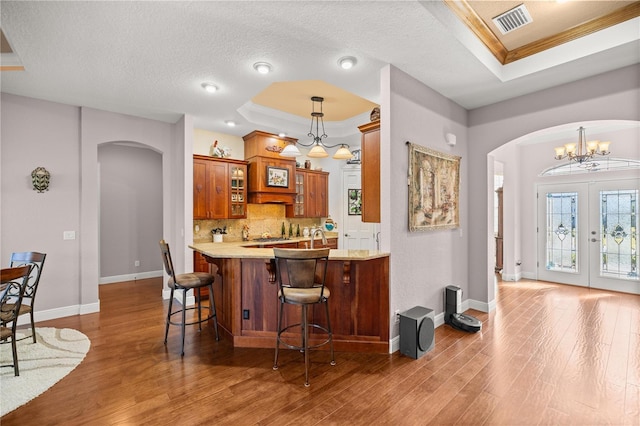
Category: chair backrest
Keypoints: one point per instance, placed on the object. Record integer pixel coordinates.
(301, 268)
(166, 259)
(36, 260)
(13, 282)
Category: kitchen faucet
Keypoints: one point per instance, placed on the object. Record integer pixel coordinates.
(313, 236)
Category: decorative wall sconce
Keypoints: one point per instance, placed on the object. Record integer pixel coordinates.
(40, 179)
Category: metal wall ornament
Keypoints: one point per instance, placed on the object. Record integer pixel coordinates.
(434, 189)
(40, 178)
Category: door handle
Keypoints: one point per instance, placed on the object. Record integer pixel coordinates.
(346, 235)
(593, 240)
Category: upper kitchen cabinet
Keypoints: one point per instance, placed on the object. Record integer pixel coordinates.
(370, 177)
(312, 194)
(271, 177)
(219, 188)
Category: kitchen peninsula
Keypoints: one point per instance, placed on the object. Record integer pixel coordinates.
(246, 295)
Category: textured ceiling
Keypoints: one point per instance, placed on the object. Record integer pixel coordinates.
(150, 58)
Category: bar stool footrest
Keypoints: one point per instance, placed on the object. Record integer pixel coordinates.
(211, 315)
(300, 348)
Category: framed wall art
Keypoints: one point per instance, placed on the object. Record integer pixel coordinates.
(434, 189)
(277, 176)
(354, 202)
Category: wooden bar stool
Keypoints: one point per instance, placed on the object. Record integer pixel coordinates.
(301, 276)
(186, 282)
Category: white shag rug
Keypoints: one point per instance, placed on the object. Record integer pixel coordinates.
(42, 364)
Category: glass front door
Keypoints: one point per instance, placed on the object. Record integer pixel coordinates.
(588, 234)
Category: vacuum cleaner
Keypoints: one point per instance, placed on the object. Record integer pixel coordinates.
(452, 315)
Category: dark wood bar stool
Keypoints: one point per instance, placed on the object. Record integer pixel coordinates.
(36, 260)
(185, 282)
(301, 276)
(13, 283)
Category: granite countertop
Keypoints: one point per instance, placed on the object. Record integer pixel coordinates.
(252, 250)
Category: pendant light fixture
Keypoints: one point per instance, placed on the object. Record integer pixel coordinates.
(582, 151)
(318, 147)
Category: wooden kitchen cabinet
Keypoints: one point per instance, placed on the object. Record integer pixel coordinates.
(370, 177)
(262, 152)
(219, 188)
(312, 194)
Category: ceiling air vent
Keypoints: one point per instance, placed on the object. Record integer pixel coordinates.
(513, 19)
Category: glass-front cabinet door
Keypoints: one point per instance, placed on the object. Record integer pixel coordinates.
(298, 203)
(238, 191)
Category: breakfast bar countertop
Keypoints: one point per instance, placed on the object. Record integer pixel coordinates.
(252, 250)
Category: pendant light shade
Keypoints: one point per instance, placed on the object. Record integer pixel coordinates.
(317, 152)
(290, 151)
(343, 153)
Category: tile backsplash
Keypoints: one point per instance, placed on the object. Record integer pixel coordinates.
(261, 218)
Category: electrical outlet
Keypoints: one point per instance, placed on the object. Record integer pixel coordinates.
(136, 263)
(397, 312)
(245, 314)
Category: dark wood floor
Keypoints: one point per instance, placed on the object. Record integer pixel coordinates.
(549, 354)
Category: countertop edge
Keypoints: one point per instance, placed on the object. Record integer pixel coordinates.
(244, 250)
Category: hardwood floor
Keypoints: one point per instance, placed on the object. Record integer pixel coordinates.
(549, 354)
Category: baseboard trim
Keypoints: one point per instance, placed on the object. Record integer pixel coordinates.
(481, 306)
(511, 277)
(66, 311)
(130, 277)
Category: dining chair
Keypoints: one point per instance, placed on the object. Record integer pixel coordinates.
(36, 260)
(186, 282)
(13, 282)
(301, 276)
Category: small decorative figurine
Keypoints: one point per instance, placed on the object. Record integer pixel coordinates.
(375, 114)
(219, 151)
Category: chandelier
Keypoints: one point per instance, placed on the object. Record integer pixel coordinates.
(318, 150)
(583, 151)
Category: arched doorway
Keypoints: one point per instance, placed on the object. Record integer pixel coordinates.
(130, 211)
(524, 160)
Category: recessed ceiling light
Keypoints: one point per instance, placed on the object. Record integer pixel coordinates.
(230, 123)
(347, 62)
(211, 88)
(262, 67)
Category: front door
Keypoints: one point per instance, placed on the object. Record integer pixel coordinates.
(588, 234)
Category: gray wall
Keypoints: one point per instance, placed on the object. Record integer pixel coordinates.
(65, 140)
(610, 96)
(422, 263)
(37, 133)
(130, 212)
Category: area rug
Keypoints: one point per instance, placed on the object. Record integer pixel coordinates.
(42, 364)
